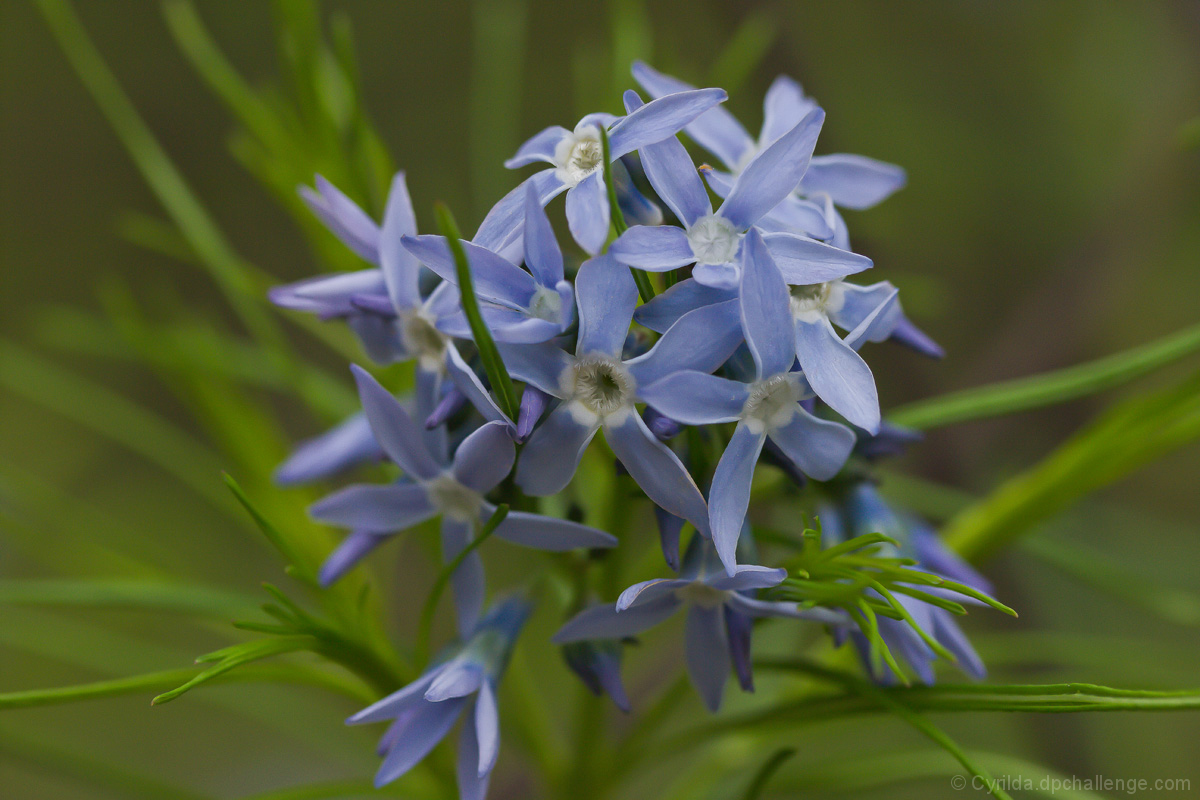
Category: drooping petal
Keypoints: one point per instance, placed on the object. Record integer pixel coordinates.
(748, 576)
(853, 181)
(701, 340)
(552, 453)
(487, 728)
(696, 398)
(730, 494)
(329, 295)
(503, 229)
(455, 680)
(342, 447)
(950, 636)
(396, 703)
(588, 212)
(817, 446)
(543, 256)
(657, 470)
(806, 261)
(605, 622)
(837, 374)
(605, 296)
(740, 627)
(784, 105)
(375, 508)
(707, 651)
(661, 118)
(765, 308)
(665, 309)
(649, 592)
(716, 130)
(468, 580)
(653, 248)
(773, 173)
(548, 533)
(909, 335)
(541, 364)
(877, 325)
(671, 172)
(539, 147)
(400, 268)
(428, 395)
(669, 529)
(471, 785)
(380, 338)
(496, 279)
(485, 457)
(353, 549)
(859, 302)
(344, 218)
(428, 726)
(395, 431)
(470, 385)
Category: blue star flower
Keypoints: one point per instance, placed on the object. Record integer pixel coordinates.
(578, 168)
(518, 307)
(434, 485)
(599, 389)
(767, 407)
(719, 608)
(463, 683)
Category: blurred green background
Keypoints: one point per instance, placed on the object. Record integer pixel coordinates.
(1052, 216)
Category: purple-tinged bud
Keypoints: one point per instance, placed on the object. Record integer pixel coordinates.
(669, 528)
(447, 407)
(533, 405)
(663, 428)
(892, 440)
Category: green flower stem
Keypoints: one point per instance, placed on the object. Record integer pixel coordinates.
(493, 364)
(640, 277)
(766, 771)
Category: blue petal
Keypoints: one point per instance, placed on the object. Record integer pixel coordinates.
(669, 529)
(399, 267)
(380, 338)
(804, 262)
(950, 636)
(397, 434)
(533, 404)
(654, 248)
(696, 398)
(353, 549)
(747, 577)
(428, 726)
(344, 218)
(539, 364)
(485, 457)
(795, 215)
(469, 384)
(645, 592)
(457, 679)
(605, 296)
(588, 212)
(375, 508)
(605, 622)
(729, 496)
(913, 337)
(637, 208)
(396, 703)
(739, 627)
(503, 229)
(665, 309)
(471, 785)
(342, 447)
(765, 307)
(487, 728)
(428, 397)
(552, 454)
(510, 326)
(853, 181)
(716, 130)
(547, 533)
(818, 447)
(539, 147)
(468, 580)
(329, 295)
(496, 279)
(773, 174)
(783, 107)
(750, 607)
(877, 325)
(837, 374)
(860, 302)
(671, 172)
(661, 118)
(701, 340)
(718, 276)
(542, 254)
(707, 650)
(657, 470)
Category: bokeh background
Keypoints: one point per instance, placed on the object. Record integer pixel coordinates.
(1052, 216)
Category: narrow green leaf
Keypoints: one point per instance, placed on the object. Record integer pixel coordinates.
(237, 656)
(281, 543)
(645, 288)
(767, 771)
(493, 364)
(425, 628)
(1047, 388)
(115, 593)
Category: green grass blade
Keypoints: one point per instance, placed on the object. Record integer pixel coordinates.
(767, 771)
(236, 657)
(178, 598)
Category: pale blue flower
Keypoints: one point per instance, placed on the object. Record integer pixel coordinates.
(462, 684)
(517, 306)
(598, 390)
(578, 168)
(769, 406)
(435, 485)
(711, 596)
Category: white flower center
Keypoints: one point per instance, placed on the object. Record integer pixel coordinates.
(424, 341)
(458, 502)
(546, 304)
(714, 240)
(701, 594)
(579, 154)
(811, 303)
(598, 386)
(772, 402)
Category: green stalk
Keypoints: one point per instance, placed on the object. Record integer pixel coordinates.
(645, 288)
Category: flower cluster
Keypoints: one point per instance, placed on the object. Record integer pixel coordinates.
(753, 342)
